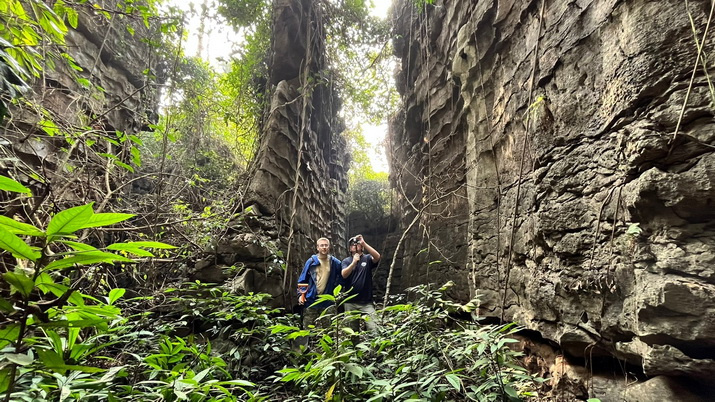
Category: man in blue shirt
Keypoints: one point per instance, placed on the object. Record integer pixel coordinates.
(357, 271)
(321, 274)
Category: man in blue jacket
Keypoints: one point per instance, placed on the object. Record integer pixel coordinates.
(321, 274)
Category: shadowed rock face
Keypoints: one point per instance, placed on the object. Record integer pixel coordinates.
(539, 140)
(111, 89)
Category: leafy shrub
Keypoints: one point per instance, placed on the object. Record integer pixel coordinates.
(51, 328)
(240, 323)
(419, 353)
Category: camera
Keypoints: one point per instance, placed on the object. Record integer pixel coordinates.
(353, 240)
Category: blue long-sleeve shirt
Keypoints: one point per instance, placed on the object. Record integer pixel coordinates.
(309, 276)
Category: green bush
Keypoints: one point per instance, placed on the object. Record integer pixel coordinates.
(419, 353)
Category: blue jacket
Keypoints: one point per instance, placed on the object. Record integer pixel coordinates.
(309, 276)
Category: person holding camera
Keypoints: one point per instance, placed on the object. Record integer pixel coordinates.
(357, 271)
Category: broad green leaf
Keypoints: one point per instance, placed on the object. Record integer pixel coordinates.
(43, 279)
(634, 229)
(17, 9)
(511, 392)
(145, 244)
(280, 328)
(354, 369)
(19, 358)
(454, 380)
(136, 156)
(78, 350)
(20, 282)
(104, 254)
(72, 17)
(50, 358)
(56, 341)
(106, 219)
(8, 184)
(115, 294)
(77, 246)
(76, 298)
(49, 127)
(138, 252)
(135, 139)
(297, 334)
(75, 367)
(200, 375)
(5, 307)
(16, 246)
(109, 375)
(87, 259)
(70, 220)
(71, 63)
(16, 227)
(9, 334)
(124, 166)
(4, 379)
(46, 284)
(241, 383)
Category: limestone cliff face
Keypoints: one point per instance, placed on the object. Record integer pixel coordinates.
(110, 89)
(300, 173)
(560, 158)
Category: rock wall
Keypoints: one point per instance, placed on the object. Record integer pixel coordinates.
(300, 172)
(110, 89)
(559, 159)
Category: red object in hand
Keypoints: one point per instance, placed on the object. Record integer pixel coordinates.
(302, 289)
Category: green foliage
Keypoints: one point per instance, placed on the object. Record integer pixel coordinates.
(61, 343)
(67, 334)
(634, 230)
(32, 43)
(241, 322)
(184, 370)
(369, 200)
(368, 191)
(40, 339)
(420, 353)
(25, 27)
(359, 50)
(422, 4)
(210, 134)
(54, 334)
(245, 13)
(361, 165)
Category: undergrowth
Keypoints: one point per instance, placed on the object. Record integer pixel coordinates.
(203, 343)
